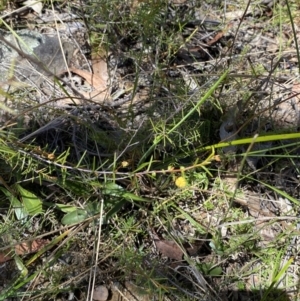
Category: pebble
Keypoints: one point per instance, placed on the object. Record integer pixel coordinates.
(100, 293)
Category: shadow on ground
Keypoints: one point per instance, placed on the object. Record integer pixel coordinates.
(257, 295)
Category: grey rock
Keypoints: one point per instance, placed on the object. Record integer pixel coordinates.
(30, 55)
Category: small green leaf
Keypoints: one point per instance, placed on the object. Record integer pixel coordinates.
(19, 209)
(78, 215)
(74, 217)
(113, 189)
(217, 271)
(20, 265)
(31, 202)
(209, 269)
(66, 208)
(131, 196)
(17, 206)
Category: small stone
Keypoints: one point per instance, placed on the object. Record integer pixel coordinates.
(100, 293)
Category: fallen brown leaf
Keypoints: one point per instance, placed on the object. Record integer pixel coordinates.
(23, 249)
(168, 248)
(217, 37)
(101, 91)
(99, 66)
(92, 79)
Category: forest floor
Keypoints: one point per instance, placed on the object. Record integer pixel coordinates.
(162, 162)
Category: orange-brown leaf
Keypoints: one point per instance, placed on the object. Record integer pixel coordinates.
(169, 248)
(100, 67)
(23, 248)
(94, 80)
(100, 85)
